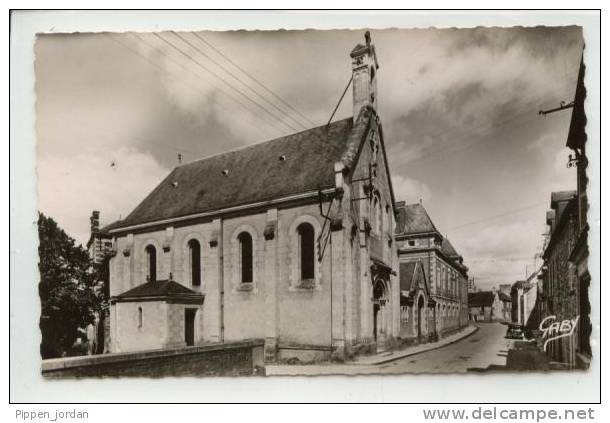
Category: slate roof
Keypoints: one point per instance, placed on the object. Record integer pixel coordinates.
(447, 248)
(483, 298)
(413, 219)
(521, 285)
(558, 196)
(503, 297)
(161, 289)
(255, 173)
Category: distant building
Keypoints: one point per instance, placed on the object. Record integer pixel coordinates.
(523, 295)
(507, 307)
(505, 288)
(485, 306)
(100, 240)
(100, 247)
(434, 279)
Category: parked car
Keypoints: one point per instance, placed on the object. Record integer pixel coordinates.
(515, 332)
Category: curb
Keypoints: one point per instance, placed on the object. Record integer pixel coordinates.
(388, 360)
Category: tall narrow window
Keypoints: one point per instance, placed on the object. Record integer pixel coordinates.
(195, 262)
(139, 317)
(306, 247)
(376, 215)
(151, 263)
(245, 252)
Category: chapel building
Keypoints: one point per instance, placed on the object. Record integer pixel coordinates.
(290, 241)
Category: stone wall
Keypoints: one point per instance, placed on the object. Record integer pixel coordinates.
(243, 358)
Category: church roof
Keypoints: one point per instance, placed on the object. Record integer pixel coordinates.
(413, 219)
(296, 163)
(162, 290)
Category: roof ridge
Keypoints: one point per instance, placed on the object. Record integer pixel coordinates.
(257, 144)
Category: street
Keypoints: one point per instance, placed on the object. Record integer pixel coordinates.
(486, 349)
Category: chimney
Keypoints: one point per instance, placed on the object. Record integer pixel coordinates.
(364, 75)
(95, 221)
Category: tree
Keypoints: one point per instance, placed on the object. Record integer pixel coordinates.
(67, 289)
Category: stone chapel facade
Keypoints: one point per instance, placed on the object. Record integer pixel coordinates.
(290, 241)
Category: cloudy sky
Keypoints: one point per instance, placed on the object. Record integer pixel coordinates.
(459, 109)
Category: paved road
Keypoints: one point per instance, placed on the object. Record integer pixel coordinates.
(480, 351)
(484, 349)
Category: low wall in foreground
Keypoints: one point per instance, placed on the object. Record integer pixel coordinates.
(243, 358)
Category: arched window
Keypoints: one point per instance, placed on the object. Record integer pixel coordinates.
(139, 317)
(195, 262)
(306, 250)
(151, 263)
(245, 256)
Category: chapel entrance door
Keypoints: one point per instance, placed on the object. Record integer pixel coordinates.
(379, 315)
(189, 326)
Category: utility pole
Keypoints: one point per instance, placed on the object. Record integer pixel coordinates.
(562, 106)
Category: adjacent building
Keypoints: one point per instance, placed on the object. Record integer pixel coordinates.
(433, 277)
(565, 276)
(290, 241)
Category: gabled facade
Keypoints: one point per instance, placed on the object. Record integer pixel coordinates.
(446, 303)
(290, 241)
(416, 303)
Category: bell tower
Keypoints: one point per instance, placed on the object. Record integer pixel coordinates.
(364, 74)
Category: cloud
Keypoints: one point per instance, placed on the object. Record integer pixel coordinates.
(499, 253)
(410, 190)
(440, 91)
(543, 143)
(69, 188)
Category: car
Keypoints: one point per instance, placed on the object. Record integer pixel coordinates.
(515, 332)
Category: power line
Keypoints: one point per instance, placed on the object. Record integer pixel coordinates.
(245, 84)
(511, 212)
(150, 62)
(272, 123)
(227, 83)
(245, 72)
(472, 129)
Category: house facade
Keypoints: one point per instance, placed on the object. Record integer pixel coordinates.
(507, 306)
(290, 241)
(523, 296)
(485, 307)
(565, 274)
(433, 278)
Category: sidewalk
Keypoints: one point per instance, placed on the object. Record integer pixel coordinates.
(363, 364)
(388, 356)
